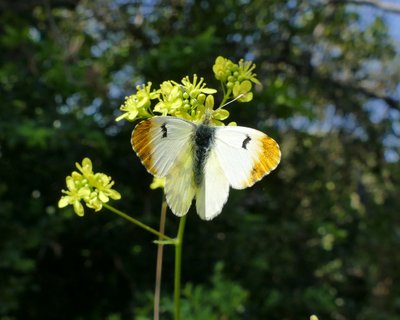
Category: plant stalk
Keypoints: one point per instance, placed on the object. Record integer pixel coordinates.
(137, 222)
(178, 264)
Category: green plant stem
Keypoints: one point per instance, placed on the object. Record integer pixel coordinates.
(224, 100)
(160, 250)
(178, 264)
(137, 222)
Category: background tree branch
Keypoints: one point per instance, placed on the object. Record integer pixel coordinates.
(384, 5)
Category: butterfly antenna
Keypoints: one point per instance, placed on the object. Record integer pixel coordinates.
(229, 102)
(183, 88)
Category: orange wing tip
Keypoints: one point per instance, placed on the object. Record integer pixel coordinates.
(268, 159)
(142, 144)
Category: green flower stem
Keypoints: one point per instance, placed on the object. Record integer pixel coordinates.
(178, 264)
(137, 222)
(225, 98)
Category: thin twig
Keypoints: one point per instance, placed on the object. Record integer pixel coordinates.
(160, 250)
(384, 5)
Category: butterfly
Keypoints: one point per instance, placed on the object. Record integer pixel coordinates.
(202, 161)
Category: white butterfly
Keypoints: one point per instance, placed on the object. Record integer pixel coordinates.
(202, 161)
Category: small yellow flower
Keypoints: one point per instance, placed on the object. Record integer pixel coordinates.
(222, 68)
(75, 194)
(170, 99)
(195, 87)
(93, 201)
(94, 189)
(245, 71)
(86, 168)
(138, 105)
(103, 184)
(243, 89)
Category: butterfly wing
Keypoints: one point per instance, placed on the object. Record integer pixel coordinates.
(164, 145)
(246, 155)
(213, 191)
(159, 140)
(238, 157)
(180, 187)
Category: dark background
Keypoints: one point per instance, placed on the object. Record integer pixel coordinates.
(320, 235)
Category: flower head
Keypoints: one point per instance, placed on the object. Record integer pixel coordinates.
(171, 100)
(237, 78)
(94, 189)
(223, 68)
(187, 100)
(138, 105)
(76, 191)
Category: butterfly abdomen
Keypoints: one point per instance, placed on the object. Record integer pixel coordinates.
(204, 139)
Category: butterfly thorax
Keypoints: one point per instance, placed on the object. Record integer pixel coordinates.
(204, 139)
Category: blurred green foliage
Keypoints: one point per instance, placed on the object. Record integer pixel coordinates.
(318, 236)
(222, 299)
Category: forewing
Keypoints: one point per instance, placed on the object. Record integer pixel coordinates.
(213, 191)
(159, 140)
(246, 155)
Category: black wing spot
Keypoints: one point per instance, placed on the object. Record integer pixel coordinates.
(245, 142)
(164, 130)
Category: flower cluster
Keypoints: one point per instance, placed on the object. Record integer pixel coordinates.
(94, 189)
(236, 79)
(188, 100)
(191, 99)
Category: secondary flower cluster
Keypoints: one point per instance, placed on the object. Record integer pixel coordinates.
(236, 79)
(191, 99)
(94, 189)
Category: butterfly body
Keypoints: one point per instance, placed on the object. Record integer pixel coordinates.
(203, 161)
(204, 139)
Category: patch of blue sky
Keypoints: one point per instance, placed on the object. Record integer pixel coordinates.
(94, 108)
(329, 122)
(369, 13)
(377, 110)
(393, 21)
(122, 82)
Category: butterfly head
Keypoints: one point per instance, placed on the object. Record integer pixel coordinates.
(207, 117)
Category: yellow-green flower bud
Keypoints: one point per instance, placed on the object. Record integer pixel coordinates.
(201, 98)
(209, 102)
